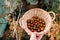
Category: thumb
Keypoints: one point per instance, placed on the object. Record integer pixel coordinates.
(40, 37)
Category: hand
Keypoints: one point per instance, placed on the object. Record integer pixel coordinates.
(35, 37)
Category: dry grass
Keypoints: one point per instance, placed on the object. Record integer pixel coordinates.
(54, 33)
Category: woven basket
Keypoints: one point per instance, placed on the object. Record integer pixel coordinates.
(37, 12)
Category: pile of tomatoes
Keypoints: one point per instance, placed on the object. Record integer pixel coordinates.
(36, 24)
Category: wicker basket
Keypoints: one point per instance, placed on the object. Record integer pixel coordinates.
(42, 14)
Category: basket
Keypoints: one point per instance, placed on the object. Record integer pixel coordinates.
(42, 14)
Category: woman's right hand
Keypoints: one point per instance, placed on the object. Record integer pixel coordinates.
(35, 37)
